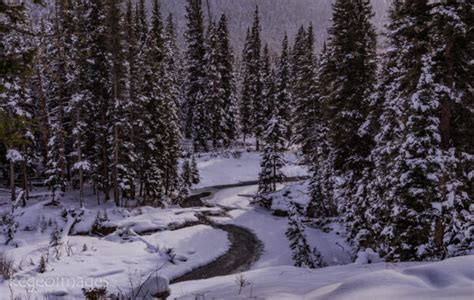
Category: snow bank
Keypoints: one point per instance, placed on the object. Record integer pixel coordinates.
(450, 279)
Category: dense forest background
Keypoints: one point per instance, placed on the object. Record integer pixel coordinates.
(279, 17)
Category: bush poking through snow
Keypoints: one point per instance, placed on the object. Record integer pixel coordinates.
(97, 293)
(241, 282)
(42, 264)
(7, 266)
(9, 228)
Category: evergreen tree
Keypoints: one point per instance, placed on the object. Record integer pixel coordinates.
(17, 140)
(97, 68)
(197, 118)
(304, 91)
(452, 46)
(123, 150)
(416, 162)
(214, 91)
(252, 108)
(302, 254)
(226, 70)
(152, 103)
(273, 159)
(171, 89)
(283, 97)
(246, 103)
(268, 81)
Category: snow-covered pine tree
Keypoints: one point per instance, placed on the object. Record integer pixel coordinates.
(214, 92)
(268, 84)
(283, 97)
(255, 79)
(171, 89)
(352, 46)
(252, 109)
(81, 165)
(97, 118)
(59, 92)
(123, 156)
(272, 160)
(412, 161)
(302, 254)
(152, 102)
(304, 91)
(16, 103)
(246, 103)
(141, 23)
(197, 118)
(226, 70)
(452, 47)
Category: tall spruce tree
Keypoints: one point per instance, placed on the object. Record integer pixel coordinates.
(226, 70)
(171, 96)
(283, 97)
(268, 84)
(152, 101)
(17, 141)
(451, 47)
(197, 118)
(246, 103)
(346, 80)
(304, 91)
(252, 108)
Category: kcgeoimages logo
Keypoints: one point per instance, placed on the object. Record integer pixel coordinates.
(59, 282)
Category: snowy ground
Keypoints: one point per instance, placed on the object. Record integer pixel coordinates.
(138, 249)
(451, 279)
(227, 169)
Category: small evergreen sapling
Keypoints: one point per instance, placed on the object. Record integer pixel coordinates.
(302, 254)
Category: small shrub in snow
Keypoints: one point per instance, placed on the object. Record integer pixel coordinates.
(241, 282)
(84, 248)
(7, 266)
(10, 227)
(97, 293)
(42, 264)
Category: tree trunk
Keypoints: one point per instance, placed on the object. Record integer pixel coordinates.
(115, 170)
(12, 180)
(24, 170)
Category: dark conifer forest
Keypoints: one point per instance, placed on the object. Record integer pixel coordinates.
(121, 121)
